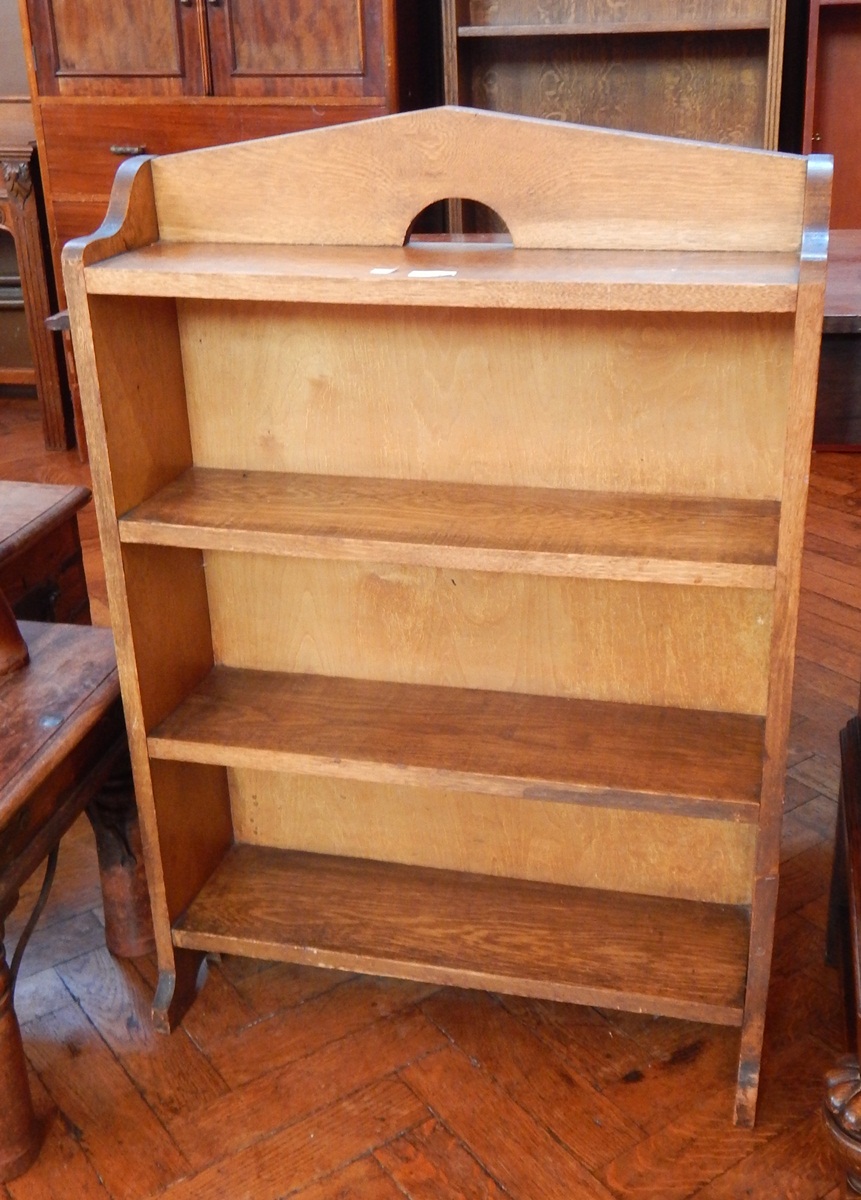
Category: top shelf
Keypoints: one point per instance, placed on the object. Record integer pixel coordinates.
(585, 27)
(499, 18)
(446, 274)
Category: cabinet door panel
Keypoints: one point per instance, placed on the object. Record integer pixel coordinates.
(835, 125)
(100, 47)
(306, 48)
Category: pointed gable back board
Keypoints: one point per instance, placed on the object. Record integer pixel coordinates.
(562, 186)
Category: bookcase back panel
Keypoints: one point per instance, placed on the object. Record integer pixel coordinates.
(646, 853)
(689, 404)
(689, 647)
(712, 86)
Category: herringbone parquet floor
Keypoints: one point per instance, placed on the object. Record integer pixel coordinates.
(293, 1082)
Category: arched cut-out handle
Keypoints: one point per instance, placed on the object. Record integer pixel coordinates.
(458, 216)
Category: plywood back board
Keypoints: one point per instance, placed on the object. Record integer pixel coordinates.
(690, 404)
(689, 647)
(645, 853)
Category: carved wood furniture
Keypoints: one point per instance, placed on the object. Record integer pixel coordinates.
(19, 214)
(689, 69)
(41, 564)
(842, 1109)
(481, 560)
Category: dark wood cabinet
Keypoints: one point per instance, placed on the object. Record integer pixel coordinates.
(832, 116)
(832, 125)
(284, 48)
(98, 48)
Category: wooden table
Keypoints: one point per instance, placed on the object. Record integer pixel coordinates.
(843, 283)
(19, 214)
(63, 750)
(41, 563)
(838, 409)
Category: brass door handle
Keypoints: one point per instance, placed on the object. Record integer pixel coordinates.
(127, 151)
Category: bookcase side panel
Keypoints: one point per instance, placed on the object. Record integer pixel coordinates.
(137, 427)
(142, 391)
(644, 853)
(663, 644)
(690, 404)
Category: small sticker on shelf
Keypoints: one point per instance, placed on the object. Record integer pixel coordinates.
(383, 270)
(431, 274)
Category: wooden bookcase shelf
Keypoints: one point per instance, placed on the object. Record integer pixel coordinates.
(444, 927)
(497, 743)
(759, 17)
(455, 275)
(601, 535)
(455, 585)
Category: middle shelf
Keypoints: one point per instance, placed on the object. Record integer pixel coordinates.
(604, 535)
(644, 757)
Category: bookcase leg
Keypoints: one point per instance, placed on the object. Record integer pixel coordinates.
(177, 989)
(753, 1025)
(20, 1135)
(746, 1092)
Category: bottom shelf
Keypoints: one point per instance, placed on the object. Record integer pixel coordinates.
(674, 958)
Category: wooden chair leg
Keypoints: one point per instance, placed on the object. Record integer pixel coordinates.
(114, 818)
(20, 1134)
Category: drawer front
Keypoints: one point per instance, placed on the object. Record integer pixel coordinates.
(85, 143)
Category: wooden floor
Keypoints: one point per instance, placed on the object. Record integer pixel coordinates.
(295, 1082)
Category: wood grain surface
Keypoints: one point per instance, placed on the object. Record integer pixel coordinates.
(530, 746)
(587, 534)
(373, 192)
(648, 403)
(619, 951)
(577, 845)
(602, 639)
(492, 274)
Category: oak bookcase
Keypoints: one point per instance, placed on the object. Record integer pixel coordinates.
(455, 584)
(685, 68)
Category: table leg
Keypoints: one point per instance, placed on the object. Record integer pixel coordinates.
(20, 1134)
(114, 818)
